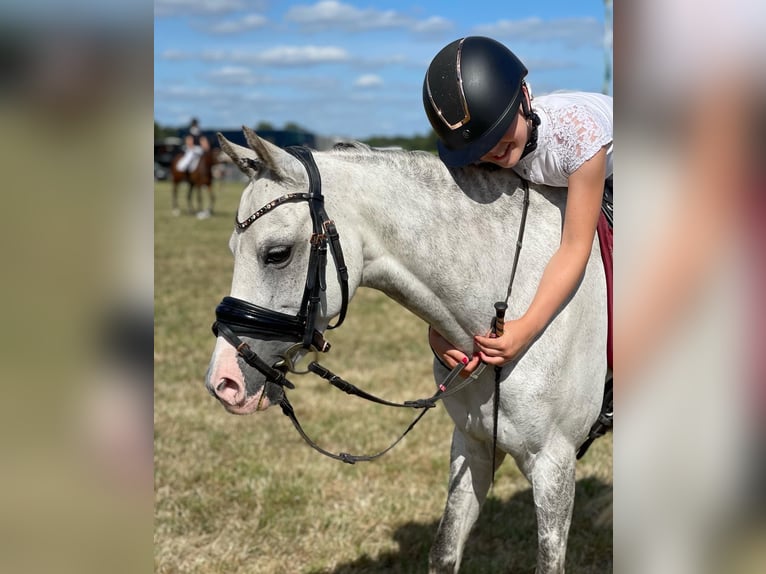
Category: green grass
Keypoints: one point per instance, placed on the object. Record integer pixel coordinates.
(246, 495)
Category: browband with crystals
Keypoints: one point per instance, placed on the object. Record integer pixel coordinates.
(242, 225)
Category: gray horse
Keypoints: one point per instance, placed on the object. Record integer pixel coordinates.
(441, 243)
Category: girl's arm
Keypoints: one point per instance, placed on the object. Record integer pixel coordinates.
(564, 270)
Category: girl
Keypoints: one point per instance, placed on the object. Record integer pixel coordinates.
(481, 109)
(196, 145)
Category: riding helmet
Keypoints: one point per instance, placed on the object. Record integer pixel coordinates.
(471, 94)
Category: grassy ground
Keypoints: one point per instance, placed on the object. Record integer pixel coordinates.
(246, 495)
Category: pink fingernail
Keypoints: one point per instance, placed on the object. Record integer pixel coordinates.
(464, 360)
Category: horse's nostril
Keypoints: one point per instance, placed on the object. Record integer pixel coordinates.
(226, 384)
(229, 391)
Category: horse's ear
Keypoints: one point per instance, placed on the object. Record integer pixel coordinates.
(244, 158)
(278, 161)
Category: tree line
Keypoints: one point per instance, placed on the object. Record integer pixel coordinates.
(425, 142)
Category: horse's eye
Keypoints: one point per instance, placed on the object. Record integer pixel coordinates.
(278, 255)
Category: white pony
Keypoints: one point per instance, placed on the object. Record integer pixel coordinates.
(441, 243)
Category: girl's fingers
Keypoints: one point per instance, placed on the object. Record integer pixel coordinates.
(492, 348)
(454, 357)
(490, 342)
(471, 366)
(491, 360)
(493, 353)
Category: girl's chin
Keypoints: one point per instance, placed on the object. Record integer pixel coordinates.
(508, 159)
(505, 161)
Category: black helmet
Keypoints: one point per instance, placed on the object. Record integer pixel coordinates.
(471, 93)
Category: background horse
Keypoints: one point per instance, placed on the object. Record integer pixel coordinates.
(198, 179)
(440, 242)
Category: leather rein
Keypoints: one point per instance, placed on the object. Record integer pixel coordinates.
(236, 318)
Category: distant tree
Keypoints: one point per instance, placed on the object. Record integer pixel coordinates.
(293, 127)
(426, 142)
(162, 132)
(264, 126)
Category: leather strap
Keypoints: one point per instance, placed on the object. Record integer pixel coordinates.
(288, 410)
(446, 388)
(272, 374)
(323, 229)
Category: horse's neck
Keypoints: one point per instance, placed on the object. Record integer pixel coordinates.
(431, 246)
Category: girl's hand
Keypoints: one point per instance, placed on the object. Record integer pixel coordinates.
(498, 351)
(563, 271)
(450, 355)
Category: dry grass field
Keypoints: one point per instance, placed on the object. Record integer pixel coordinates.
(246, 495)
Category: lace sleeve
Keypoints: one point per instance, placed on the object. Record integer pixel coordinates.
(579, 134)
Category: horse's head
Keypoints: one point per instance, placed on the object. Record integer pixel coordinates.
(280, 301)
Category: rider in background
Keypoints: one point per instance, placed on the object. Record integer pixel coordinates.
(482, 110)
(195, 144)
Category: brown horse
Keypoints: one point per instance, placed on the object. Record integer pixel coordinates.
(201, 177)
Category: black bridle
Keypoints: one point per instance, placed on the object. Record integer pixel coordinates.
(235, 317)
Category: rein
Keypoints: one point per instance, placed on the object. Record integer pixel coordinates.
(235, 317)
(499, 324)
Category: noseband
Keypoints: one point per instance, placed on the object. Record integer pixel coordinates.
(237, 317)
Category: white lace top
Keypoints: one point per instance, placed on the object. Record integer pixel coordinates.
(573, 127)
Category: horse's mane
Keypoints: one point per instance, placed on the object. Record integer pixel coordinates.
(420, 164)
(350, 145)
(360, 149)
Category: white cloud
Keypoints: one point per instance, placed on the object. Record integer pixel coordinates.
(368, 81)
(334, 15)
(197, 7)
(243, 24)
(214, 55)
(175, 55)
(230, 71)
(296, 55)
(432, 25)
(277, 56)
(572, 32)
(236, 76)
(328, 14)
(187, 92)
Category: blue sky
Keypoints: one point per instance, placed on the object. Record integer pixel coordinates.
(350, 68)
